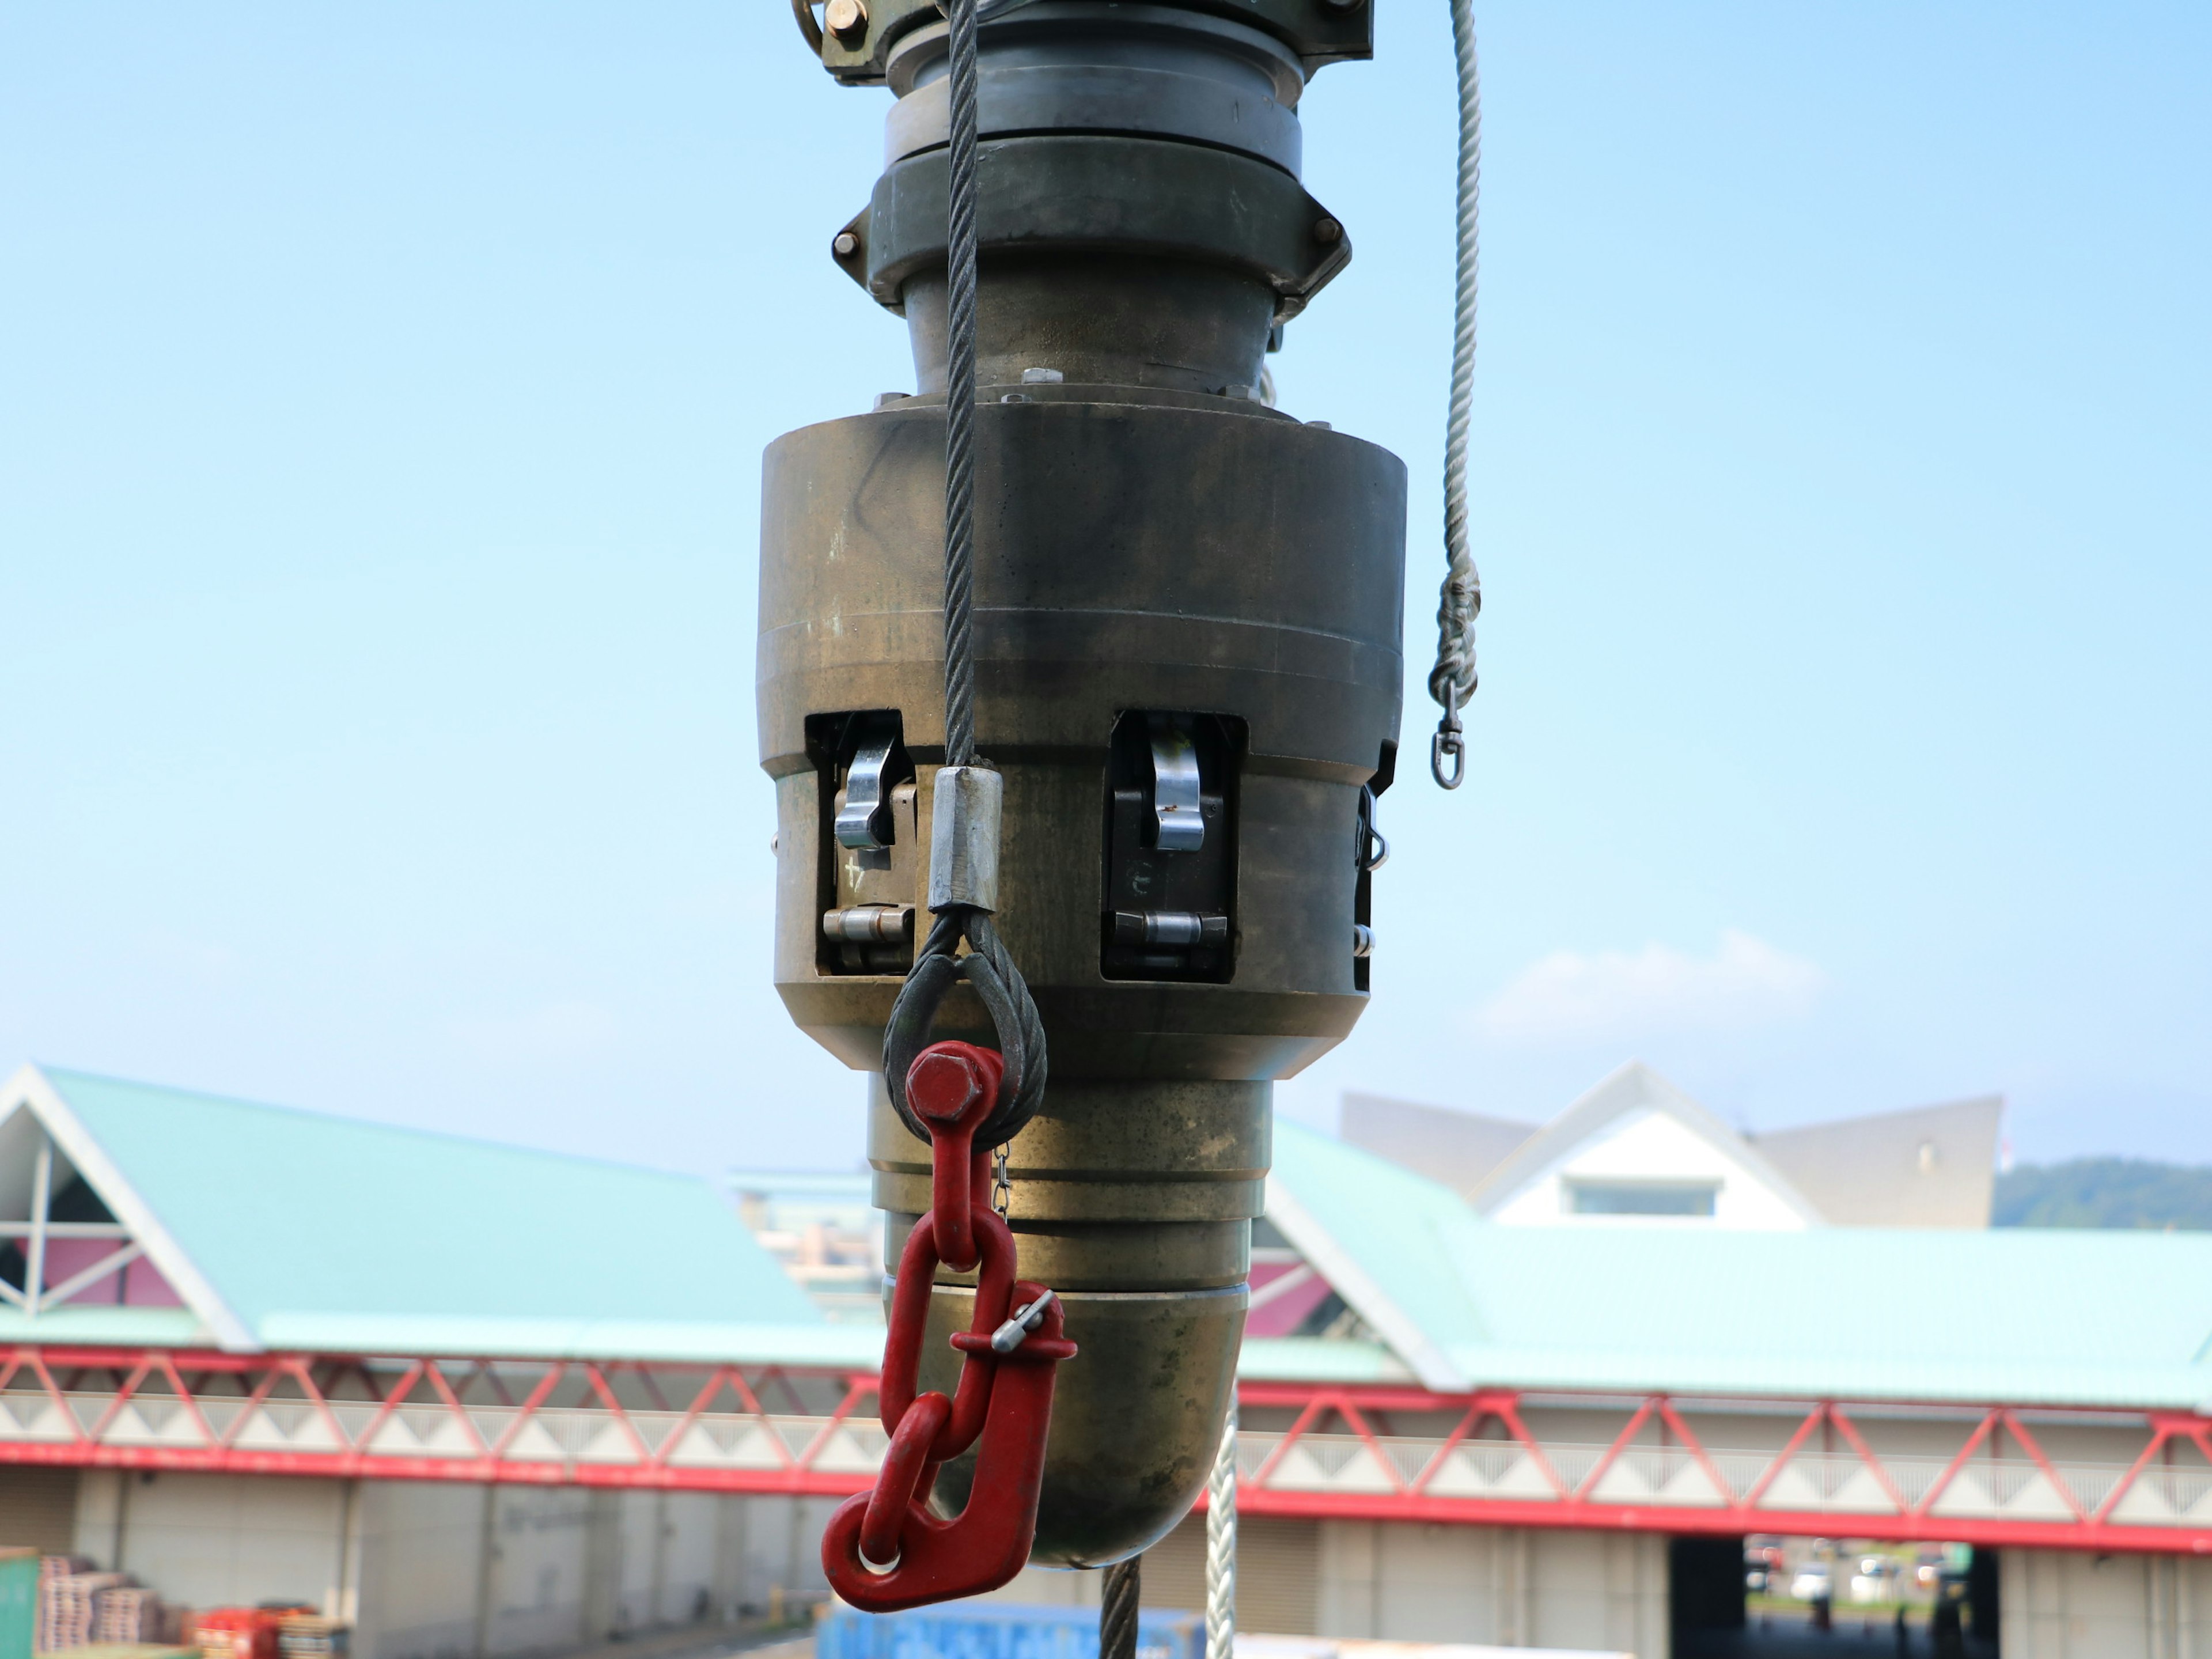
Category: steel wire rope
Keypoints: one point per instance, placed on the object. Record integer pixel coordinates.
(1119, 1600)
(961, 921)
(960, 395)
(1459, 599)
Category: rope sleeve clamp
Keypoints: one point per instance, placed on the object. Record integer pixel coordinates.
(963, 838)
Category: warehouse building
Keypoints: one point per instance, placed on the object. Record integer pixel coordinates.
(485, 1401)
(234, 1339)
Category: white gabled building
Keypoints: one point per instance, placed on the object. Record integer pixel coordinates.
(1636, 1149)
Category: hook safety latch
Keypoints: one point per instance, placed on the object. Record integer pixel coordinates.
(884, 1549)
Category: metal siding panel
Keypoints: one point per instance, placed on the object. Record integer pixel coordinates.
(1278, 1567)
(1174, 1578)
(38, 1508)
(1278, 1574)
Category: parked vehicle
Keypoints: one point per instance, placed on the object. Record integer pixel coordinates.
(1876, 1580)
(1814, 1582)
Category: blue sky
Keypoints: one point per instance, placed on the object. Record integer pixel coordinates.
(381, 395)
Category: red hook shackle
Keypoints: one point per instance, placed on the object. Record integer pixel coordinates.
(884, 1549)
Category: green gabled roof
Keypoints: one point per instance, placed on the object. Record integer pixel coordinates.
(1387, 1242)
(2073, 1318)
(2061, 1318)
(290, 1229)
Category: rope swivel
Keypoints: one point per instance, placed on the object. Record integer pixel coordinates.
(884, 1549)
(1449, 743)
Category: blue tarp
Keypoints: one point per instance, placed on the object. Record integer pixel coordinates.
(998, 1630)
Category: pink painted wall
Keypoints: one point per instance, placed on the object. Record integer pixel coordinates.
(142, 1283)
(1284, 1315)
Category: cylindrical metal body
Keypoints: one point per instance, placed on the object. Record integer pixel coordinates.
(1188, 622)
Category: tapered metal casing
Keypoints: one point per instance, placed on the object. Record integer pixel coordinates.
(1187, 625)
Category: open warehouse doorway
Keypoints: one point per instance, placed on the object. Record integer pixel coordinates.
(1770, 1597)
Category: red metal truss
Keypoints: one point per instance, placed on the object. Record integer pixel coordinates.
(81, 1427)
(710, 1428)
(1578, 1503)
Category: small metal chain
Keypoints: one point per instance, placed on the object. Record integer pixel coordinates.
(1459, 601)
(1002, 1187)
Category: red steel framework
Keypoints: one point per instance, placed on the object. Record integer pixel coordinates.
(408, 1419)
(1572, 1503)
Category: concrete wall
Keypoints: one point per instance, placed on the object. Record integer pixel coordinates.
(2058, 1605)
(1407, 1582)
(450, 1572)
(1510, 1586)
(209, 1541)
(438, 1570)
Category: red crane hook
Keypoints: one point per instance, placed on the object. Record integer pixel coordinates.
(884, 1549)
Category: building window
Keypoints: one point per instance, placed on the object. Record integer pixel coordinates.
(1642, 1197)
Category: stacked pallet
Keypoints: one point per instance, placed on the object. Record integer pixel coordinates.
(51, 1567)
(311, 1636)
(128, 1613)
(68, 1604)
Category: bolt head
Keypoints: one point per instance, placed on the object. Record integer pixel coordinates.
(844, 244)
(941, 1086)
(846, 18)
(1327, 232)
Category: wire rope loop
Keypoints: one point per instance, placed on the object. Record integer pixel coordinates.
(1005, 999)
(897, 1390)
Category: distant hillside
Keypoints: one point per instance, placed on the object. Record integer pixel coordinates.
(2103, 1192)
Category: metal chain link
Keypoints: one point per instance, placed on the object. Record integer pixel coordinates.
(1459, 601)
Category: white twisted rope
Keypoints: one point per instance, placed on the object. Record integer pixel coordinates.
(1452, 681)
(1221, 1546)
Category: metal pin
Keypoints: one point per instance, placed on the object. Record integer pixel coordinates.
(1010, 1335)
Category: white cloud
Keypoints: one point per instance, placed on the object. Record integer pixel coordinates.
(1614, 996)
